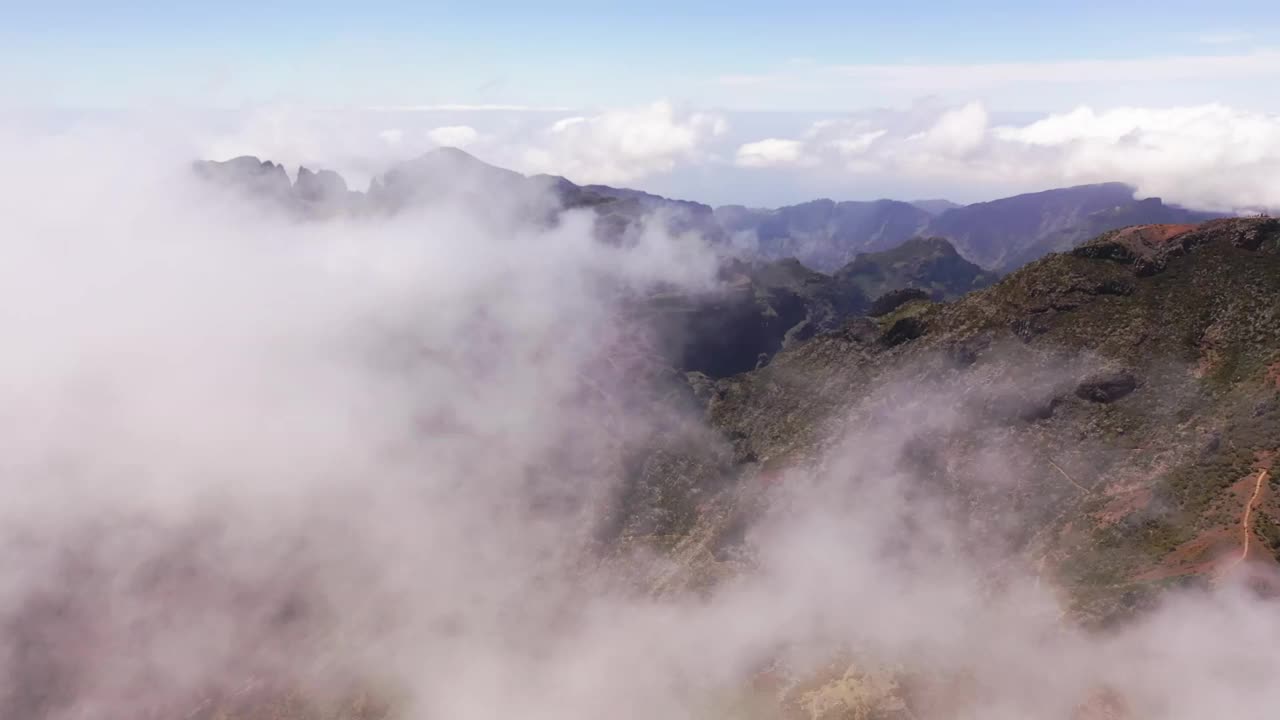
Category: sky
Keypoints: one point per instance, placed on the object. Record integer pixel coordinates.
(758, 102)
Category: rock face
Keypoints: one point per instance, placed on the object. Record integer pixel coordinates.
(1107, 387)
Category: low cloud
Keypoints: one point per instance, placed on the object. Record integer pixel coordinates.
(458, 136)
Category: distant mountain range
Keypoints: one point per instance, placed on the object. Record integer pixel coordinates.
(1000, 235)
(824, 235)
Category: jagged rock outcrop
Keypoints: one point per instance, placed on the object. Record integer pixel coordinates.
(260, 179)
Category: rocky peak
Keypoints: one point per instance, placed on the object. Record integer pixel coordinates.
(260, 177)
(324, 186)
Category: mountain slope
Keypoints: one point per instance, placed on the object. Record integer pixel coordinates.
(1131, 388)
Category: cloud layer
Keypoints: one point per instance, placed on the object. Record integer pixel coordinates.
(1209, 156)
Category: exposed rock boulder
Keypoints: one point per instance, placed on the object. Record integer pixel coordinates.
(1107, 387)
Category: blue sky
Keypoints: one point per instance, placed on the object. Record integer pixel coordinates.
(754, 102)
(580, 54)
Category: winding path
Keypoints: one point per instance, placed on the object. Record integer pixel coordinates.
(1244, 522)
(1070, 479)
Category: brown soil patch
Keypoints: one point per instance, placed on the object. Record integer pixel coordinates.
(1219, 549)
(1273, 374)
(1198, 556)
(1154, 235)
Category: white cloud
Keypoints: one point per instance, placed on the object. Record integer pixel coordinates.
(621, 145)
(857, 144)
(957, 132)
(609, 146)
(454, 135)
(1208, 156)
(770, 152)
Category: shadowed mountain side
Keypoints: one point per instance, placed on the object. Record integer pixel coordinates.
(765, 307)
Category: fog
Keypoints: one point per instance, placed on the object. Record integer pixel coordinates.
(247, 456)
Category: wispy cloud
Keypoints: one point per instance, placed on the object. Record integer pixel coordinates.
(1172, 78)
(465, 107)
(1225, 37)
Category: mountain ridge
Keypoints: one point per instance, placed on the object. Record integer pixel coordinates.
(824, 234)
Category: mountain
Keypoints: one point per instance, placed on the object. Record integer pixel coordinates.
(1132, 386)
(935, 206)
(824, 234)
(1007, 233)
(764, 307)
(1106, 421)
(1000, 235)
